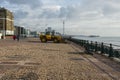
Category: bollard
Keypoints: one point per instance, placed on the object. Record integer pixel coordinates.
(111, 51)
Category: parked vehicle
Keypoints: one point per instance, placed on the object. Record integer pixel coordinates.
(51, 36)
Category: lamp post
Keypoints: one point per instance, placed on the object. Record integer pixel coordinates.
(63, 27)
(3, 26)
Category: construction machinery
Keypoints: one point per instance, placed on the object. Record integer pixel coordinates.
(56, 37)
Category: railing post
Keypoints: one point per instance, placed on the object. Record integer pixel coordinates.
(91, 45)
(85, 43)
(111, 51)
(117, 54)
(96, 46)
(106, 50)
(81, 42)
(87, 46)
(102, 48)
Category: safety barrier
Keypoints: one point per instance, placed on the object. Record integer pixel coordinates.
(109, 50)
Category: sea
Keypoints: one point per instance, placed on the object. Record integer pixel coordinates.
(115, 41)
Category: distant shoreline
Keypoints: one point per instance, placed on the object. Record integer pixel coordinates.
(93, 36)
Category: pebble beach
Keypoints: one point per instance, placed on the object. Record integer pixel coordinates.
(29, 59)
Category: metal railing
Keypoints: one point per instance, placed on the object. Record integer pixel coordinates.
(103, 48)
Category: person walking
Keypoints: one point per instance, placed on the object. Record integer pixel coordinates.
(14, 37)
(17, 37)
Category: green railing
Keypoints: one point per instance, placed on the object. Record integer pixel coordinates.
(97, 47)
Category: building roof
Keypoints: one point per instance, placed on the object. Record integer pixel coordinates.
(4, 9)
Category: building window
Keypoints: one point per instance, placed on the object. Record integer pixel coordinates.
(0, 15)
(1, 26)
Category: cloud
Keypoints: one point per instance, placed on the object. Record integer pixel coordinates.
(63, 12)
(20, 14)
(31, 3)
(48, 14)
(111, 9)
(82, 16)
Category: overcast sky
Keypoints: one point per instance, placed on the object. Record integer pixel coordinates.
(82, 17)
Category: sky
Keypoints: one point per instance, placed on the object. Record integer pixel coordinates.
(82, 17)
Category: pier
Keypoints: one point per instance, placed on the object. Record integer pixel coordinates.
(29, 59)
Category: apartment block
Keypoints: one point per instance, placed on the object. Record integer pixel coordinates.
(21, 31)
(6, 22)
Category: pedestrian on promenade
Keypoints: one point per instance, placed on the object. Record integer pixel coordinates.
(17, 37)
(14, 37)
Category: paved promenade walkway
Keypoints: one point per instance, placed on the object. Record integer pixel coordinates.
(29, 59)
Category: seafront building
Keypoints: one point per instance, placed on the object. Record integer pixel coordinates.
(21, 31)
(34, 34)
(6, 22)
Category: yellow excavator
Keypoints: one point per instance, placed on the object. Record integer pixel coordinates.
(51, 36)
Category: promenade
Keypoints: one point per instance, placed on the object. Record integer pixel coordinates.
(29, 59)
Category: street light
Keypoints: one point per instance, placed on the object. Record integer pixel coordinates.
(3, 31)
(63, 27)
